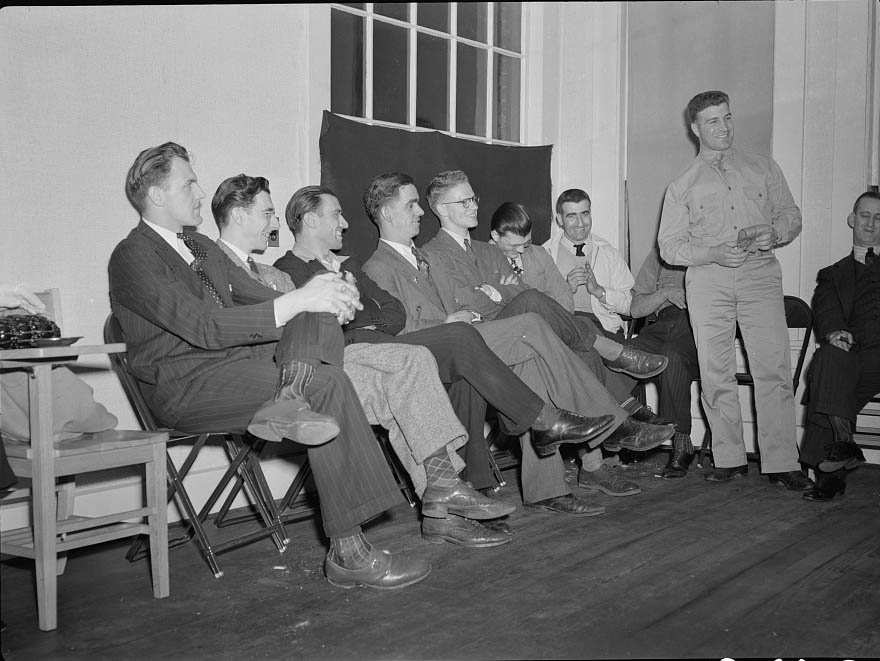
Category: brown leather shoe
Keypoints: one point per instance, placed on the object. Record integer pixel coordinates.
(383, 571)
(638, 364)
(461, 531)
(792, 480)
(638, 436)
(463, 500)
(570, 428)
(294, 419)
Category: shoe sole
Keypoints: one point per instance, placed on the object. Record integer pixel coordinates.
(562, 511)
(636, 375)
(439, 539)
(649, 446)
(440, 511)
(355, 584)
(831, 466)
(305, 433)
(549, 450)
(607, 491)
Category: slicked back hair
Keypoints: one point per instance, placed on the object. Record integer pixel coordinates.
(306, 200)
(571, 195)
(383, 189)
(151, 168)
(511, 217)
(702, 101)
(442, 183)
(236, 192)
(867, 195)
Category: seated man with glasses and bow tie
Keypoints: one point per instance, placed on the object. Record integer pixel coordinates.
(845, 372)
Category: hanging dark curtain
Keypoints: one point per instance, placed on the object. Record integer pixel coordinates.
(352, 154)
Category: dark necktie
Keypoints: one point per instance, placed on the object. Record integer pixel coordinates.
(199, 257)
(253, 265)
(579, 249)
(870, 256)
(421, 259)
(516, 267)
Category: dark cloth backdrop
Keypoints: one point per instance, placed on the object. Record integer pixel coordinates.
(352, 154)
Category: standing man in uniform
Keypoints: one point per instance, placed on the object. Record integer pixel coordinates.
(722, 218)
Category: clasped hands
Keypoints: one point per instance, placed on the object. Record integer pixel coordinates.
(583, 276)
(842, 339)
(733, 254)
(333, 293)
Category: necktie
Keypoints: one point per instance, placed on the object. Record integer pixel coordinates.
(579, 249)
(421, 259)
(199, 257)
(870, 256)
(253, 265)
(515, 266)
(467, 246)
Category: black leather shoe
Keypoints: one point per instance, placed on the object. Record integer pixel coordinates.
(826, 488)
(727, 474)
(638, 364)
(842, 455)
(678, 465)
(638, 436)
(292, 418)
(461, 531)
(570, 428)
(792, 480)
(383, 571)
(463, 500)
(646, 414)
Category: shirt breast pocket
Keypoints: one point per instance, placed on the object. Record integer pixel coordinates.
(757, 199)
(706, 216)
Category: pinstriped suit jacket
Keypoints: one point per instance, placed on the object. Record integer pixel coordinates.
(175, 332)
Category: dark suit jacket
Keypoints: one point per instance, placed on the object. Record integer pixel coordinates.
(175, 331)
(456, 275)
(381, 309)
(834, 297)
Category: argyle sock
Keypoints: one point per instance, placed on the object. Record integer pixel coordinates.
(608, 349)
(681, 442)
(439, 470)
(351, 551)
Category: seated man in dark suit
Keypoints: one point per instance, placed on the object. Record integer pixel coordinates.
(398, 385)
(845, 372)
(214, 349)
(472, 374)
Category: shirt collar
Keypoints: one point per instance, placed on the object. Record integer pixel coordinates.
(171, 239)
(458, 239)
(404, 251)
(859, 253)
(713, 159)
(241, 254)
(569, 244)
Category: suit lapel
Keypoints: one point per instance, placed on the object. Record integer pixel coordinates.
(844, 277)
(408, 272)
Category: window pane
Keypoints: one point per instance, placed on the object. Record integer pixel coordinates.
(434, 15)
(390, 72)
(506, 88)
(356, 5)
(472, 20)
(347, 63)
(398, 10)
(470, 86)
(432, 76)
(508, 19)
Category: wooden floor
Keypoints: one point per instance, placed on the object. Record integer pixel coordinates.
(686, 569)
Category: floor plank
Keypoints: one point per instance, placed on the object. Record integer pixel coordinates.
(686, 569)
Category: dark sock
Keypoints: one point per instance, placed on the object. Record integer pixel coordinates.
(351, 551)
(439, 470)
(293, 377)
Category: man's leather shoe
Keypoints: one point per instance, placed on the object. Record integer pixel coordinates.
(677, 467)
(727, 474)
(569, 504)
(462, 499)
(570, 428)
(638, 436)
(638, 364)
(292, 418)
(792, 480)
(646, 414)
(826, 488)
(842, 455)
(383, 571)
(461, 531)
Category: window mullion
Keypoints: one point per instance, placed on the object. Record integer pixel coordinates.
(452, 81)
(368, 62)
(490, 69)
(412, 65)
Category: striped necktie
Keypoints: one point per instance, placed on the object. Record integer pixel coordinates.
(515, 266)
(199, 256)
(253, 265)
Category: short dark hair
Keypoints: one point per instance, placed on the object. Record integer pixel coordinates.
(306, 200)
(511, 217)
(151, 168)
(571, 195)
(867, 195)
(442, 183)
(383, 189)
(702, 101)
(234, 193)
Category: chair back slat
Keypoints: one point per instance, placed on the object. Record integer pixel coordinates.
(131, 387)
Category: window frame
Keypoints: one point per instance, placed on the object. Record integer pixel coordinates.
(451, 38)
